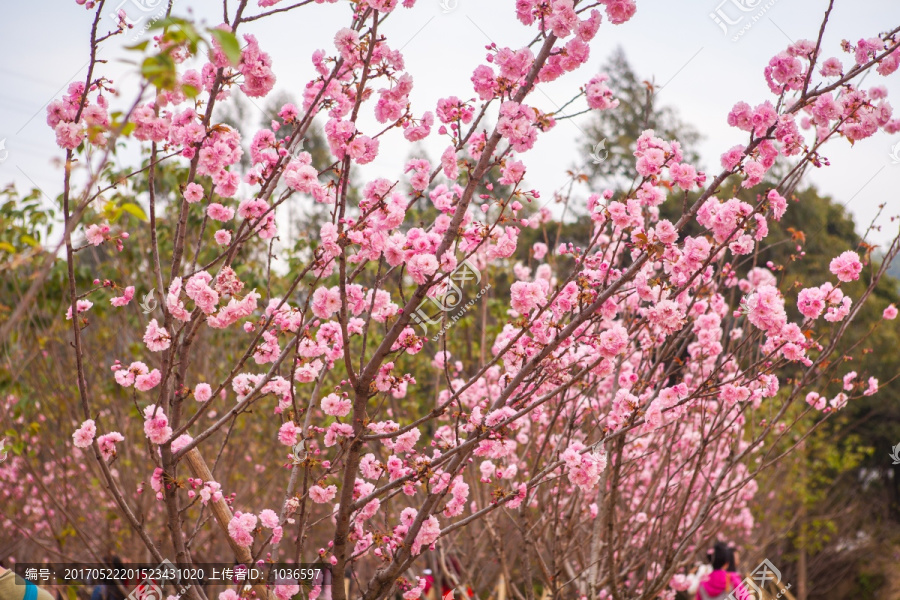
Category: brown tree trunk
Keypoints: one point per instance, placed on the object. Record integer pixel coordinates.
(801, 520)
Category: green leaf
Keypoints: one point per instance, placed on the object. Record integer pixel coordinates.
(229, 44)
(8, 247)
(29, 240)
(187, 31)
(140, 46)
(160, 71)
(189, 90)
(134, 210)
(168, 21)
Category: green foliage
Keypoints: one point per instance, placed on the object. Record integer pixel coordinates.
(805, 481)
(229, 44)
(159, 69)
(868, 584)
(24, 222)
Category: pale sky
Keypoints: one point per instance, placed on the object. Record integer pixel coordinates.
(703, 72)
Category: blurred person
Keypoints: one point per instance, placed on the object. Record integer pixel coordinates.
(719, 583)
(109, 589)
(13, 587)
(732, 566)
(700, 571)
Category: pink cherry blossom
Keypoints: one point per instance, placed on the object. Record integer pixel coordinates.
(69, 135)
(125, 298)
(202, 392)
(321, 495)
(268, 518)
(847, 266)
(199, 290)
(147, 381)
(620, 11)
(156, 337)
(421, 266)
(613, 341)
(193, 192)
(811, 302)
(599, 96)
(288, 433)
(222, 237)
(181, 441)
(527, 296)
(218, 212)
(256, 67)
(241, 527)
(335, 405)
(107, 443)
(286, 591)
(82, 306)
(326, 302)
(871, 387)
(156, 424)
(96, 234)
(84, 435)
(816, 401)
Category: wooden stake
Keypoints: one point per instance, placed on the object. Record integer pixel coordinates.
(223, 515)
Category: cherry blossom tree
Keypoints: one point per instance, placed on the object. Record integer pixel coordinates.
(629, 392)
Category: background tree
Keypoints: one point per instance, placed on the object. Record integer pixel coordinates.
(638, 110)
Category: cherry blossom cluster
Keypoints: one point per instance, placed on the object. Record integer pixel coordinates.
(604, 379)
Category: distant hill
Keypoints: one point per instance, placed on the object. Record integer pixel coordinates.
(894, 269)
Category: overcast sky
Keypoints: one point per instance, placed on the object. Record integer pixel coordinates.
(677, 44)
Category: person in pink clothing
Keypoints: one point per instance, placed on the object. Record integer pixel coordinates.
(721, 581)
